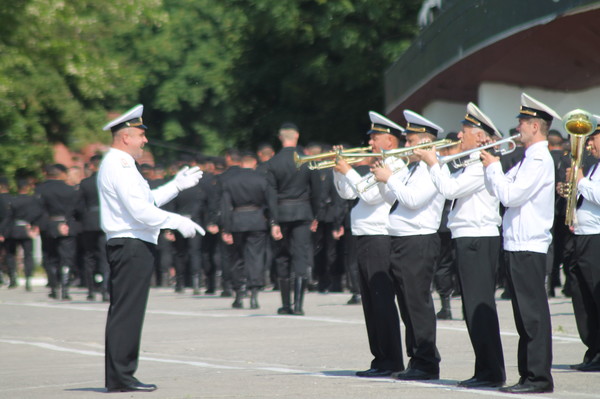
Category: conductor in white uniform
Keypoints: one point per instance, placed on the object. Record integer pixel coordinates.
(131, 218)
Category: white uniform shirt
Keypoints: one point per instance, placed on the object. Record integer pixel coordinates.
(588, 215)
(128, 208)
(370, 215)
(527, 190)
(419, 209)
(474, 212)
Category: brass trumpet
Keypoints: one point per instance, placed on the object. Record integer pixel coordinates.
(456, 158)
(327, 159)
(406, 152)
(579, 124)
(369, 181)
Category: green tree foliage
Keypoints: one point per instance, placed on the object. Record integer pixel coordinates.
(319, 63)
(211, 74)
(58, 73)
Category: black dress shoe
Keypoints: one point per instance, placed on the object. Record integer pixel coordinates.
(527, 388)
(590, 367)
(477, 383)
(136, 387)
(374, 373)
(577, 366)
(411, 374)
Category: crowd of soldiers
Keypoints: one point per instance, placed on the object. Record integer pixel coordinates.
(231, 202)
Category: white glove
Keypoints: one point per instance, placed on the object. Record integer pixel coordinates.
(188, 228)
(187, 177)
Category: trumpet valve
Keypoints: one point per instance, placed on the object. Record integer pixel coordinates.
(564, 189)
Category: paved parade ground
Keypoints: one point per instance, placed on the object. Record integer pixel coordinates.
(199, 347)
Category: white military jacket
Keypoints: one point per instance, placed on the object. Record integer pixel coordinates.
(588, 214)
(474, 211)
(527, 191)
(420, 205)
(128, 208)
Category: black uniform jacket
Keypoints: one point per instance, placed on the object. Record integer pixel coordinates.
(23, 210)
(298, 196)
(333, 206)
(58, 204)
(193, 203)
(246, 203)
(87, 209)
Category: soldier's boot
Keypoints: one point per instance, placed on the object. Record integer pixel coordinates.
(12, 275)
(284, 288)
(445, 312)
(210, 281)
(163, 279)
(89, 280)
(254, 298)
(226, 293)
(28, 284)
(238, 301)
(178, 283)
(12, 278)
(64, 281)
(299, 289)
(196, 284)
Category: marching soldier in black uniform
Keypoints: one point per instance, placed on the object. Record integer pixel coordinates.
(233, 159)
(211, 242)
(165, 246)
(326, 238)
(24, 213)
(191, 203)
(295, 217)
(58, 229)
(247, 209)
(4, 195)
(93, 238)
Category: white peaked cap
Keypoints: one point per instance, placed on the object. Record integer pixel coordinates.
(381, 124)
(532, 108)
(131, 118)
(477, 118)
(416, 123)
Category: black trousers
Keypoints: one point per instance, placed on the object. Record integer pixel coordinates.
(350, 252)
(526, 274)
(413, 260)
(294, 250)
(586, 296)
(11, 252)
(378, 302)
(165, 257)
(477, 260)
(325, 257)
(131, 265)
(248, 255)
(445, 272)
(58, 252)
(211, 258)
(94, 258)
(188, 259)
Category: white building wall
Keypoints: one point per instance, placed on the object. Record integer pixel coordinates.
(501, 103)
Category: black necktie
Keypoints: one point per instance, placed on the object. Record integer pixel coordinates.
(412, 167)
(580, 199)
(454, 200)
